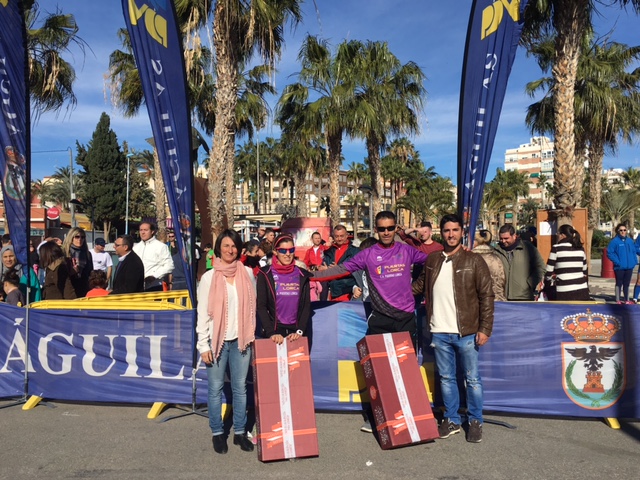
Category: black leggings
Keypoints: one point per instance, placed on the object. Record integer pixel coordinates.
(623, 279)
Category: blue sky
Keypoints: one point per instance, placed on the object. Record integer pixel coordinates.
(430, 33)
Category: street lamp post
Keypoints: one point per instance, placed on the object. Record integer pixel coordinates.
(72, 196)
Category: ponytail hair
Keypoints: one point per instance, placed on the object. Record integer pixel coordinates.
(572, 235)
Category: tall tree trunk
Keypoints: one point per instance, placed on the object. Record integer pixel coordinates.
(596, 155)
(569, 21)
(221, 164)
(161, 196)
(301, 194)
(334, 147)
(377, 184)
(356, 207)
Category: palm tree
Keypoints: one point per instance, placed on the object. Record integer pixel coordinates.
(240, 29)
(58, 191)
(569, 20)
(506, 187)
(428, 195)
(631, 179)
(357, 173)
(321, 102)
(388, 101)
(51, 77)
(607, 105)
(618, 203)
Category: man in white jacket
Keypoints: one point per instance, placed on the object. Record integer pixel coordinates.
(155, 256)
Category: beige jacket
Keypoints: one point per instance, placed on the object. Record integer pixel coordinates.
(498, 278)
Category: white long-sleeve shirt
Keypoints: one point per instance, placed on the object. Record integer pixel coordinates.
(155, 257)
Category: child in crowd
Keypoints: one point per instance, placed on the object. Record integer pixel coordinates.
(98, 284)
(11, 286)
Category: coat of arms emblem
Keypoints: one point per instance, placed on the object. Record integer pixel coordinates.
(593, 367)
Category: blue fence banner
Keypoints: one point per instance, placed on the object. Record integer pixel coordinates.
(542, 358)
(157, 47)
(111, 356)
(492, 39)
(14, 125)
(12, 350)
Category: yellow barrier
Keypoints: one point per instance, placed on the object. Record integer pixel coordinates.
(174, 300)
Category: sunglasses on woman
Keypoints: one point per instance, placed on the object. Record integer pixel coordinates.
(284, 251)
(79, 236)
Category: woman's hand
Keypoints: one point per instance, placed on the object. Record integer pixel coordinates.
(292, 337)
(277, 338)
(207, 357)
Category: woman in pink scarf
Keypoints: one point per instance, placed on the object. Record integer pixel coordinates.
(226, 329)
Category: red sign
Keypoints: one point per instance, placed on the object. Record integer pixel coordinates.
(53, 213)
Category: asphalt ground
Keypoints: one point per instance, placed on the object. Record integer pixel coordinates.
(97, 441)
(118, 442)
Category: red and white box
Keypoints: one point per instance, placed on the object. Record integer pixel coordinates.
(401, 409)
(285, 413)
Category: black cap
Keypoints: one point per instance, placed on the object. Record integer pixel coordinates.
(100, 241)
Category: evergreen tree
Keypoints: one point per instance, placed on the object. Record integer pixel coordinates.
(104, 174)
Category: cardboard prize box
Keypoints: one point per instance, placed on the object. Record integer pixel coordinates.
(285, 413)
(401, 409)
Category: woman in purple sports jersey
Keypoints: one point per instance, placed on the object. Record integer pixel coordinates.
(284, 298)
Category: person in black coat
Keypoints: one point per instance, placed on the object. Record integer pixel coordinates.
(129, 276)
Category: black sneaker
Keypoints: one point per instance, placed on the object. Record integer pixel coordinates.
(447, 428)
(475, 432)
(243, 441)
(220, 443)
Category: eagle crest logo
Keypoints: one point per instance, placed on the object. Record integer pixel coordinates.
(593, 366)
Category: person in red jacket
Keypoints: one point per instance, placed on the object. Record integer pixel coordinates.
(315, 255)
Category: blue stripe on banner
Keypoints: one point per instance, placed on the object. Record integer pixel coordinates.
(492, 40)
(542, 358)
(157, 47)
(14, 125)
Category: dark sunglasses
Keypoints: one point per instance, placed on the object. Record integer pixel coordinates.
(284, 251)
(385, 229)
(79, 236)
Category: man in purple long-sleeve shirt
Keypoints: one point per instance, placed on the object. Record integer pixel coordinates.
(388, 268)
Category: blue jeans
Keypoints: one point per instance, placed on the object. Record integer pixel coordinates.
(449, 347)
(238, 363)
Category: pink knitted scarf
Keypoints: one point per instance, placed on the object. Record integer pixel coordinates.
(218, 310)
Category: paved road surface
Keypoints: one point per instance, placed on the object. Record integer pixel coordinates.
(117, 442)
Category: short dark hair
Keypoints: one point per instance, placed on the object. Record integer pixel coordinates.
(507, 228)
(368, 242)
(450, 217)
(12, 277)
(425, 224)
(235, 238)
(316, 233)
(127, 240)
(385, 215)
(152, 226)
(339, 227)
